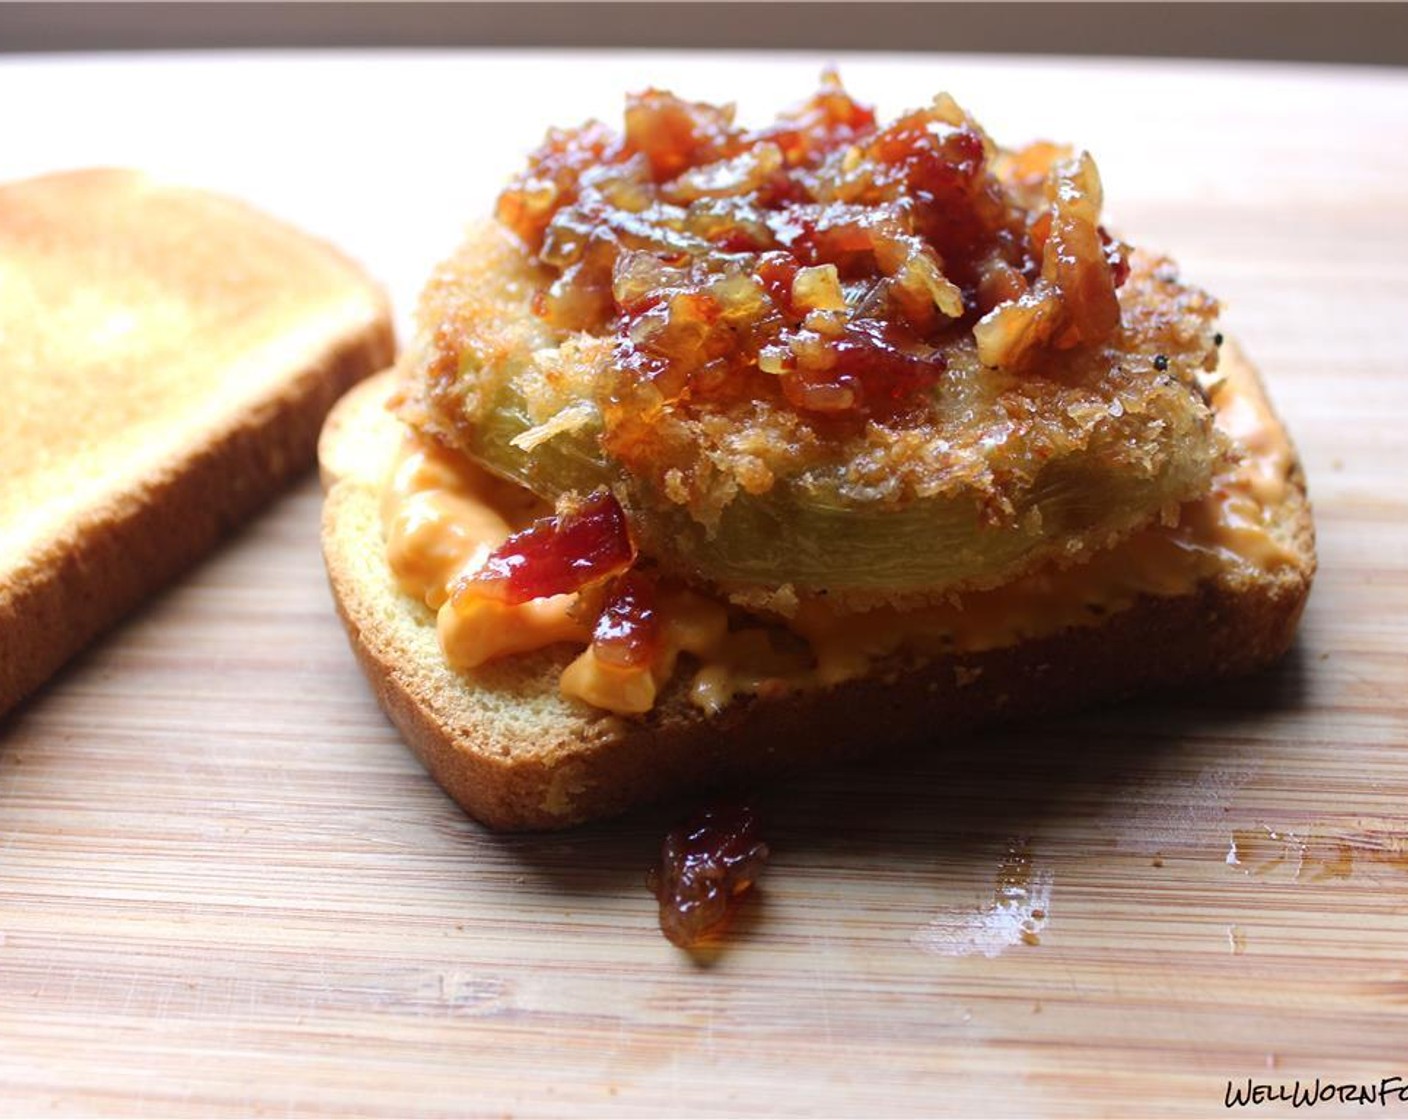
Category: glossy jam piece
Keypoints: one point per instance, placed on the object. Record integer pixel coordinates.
(627, 632)
(777, 272)
(675, 135)
(884, 358)
(940, 167)
(829, 122)
(706, 865)
(556, 555)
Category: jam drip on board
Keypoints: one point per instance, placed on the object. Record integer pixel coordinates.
(706, 865)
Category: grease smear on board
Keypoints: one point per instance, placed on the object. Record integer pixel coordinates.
(1019, 911)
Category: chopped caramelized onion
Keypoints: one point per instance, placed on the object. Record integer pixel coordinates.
(1083, 275)
(818, 288)
(705, 867)
(748, 173)
(1074, 300)
(558, 555)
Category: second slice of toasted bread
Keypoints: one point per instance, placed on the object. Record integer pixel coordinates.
(516, 753)
(168, 359)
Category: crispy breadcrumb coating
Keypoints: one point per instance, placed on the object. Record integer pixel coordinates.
(1017, 370)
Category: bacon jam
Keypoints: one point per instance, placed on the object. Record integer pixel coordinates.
(706, 866)
(585, 543)
(585, 551)
(627, 632)
(824, 261)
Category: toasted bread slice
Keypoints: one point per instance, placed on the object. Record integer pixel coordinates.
(517, 754)
(168, 359)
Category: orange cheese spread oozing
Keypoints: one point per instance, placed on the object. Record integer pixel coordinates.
(691, 623)
(442, 516)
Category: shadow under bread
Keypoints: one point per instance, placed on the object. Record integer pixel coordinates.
(949, 798)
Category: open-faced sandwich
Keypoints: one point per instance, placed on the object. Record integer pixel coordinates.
(723, 451)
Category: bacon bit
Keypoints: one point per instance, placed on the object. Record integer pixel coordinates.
(832, 235)
(675, 135)
(936, 159)
(876, 367)
(556, 555)
(942, 168)
(778, 273)
(736, 241)
(706, 865)
(627, 633)
(999, 282)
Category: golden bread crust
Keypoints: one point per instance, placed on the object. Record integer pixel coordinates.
(170, 356)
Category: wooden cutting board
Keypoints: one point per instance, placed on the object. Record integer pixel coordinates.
(226, 889)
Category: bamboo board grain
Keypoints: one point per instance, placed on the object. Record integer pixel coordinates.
(226, 889)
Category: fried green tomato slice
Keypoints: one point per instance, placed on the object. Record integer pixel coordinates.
(822, 356)
(998, 473)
